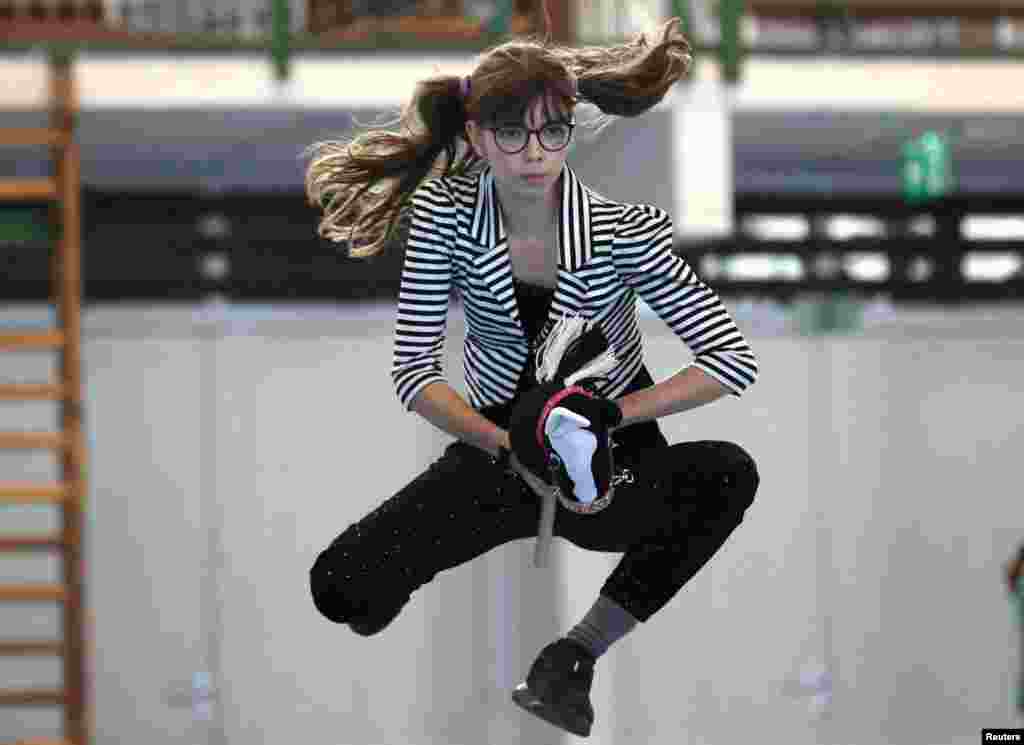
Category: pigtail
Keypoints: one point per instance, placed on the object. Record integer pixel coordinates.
(364, 184)
(630, 79)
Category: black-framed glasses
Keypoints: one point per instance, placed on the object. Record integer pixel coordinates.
(513, 138)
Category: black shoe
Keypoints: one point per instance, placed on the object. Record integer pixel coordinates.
(557, 688)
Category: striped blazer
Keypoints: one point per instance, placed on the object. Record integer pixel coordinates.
(610, 253)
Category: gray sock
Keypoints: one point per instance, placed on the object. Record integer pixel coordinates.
(605, 623)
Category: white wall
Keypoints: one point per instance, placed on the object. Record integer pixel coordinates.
(324, 81)
(227, 453)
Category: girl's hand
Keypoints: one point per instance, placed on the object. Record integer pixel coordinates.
(539, 487)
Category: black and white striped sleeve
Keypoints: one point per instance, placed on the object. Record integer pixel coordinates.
(423, 296)
(642, 253)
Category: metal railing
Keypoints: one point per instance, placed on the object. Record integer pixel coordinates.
(724, 29)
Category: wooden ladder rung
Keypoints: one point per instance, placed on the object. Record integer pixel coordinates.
(32, 697)
(28, 190)
(31, 440)
(32, 593)
(39, 542)
(29, 492)
(31, 391)
(49, 339)
(40, 741)
(31, 648)
(33, 136)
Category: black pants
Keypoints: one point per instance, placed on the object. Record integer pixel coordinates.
(674, 507)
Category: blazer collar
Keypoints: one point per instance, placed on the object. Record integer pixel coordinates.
(574, 235)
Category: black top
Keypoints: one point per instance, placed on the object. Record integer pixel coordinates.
(534, 304)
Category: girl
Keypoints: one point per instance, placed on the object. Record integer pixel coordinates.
(507, 225)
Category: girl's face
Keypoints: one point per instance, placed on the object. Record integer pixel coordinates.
(533, 171)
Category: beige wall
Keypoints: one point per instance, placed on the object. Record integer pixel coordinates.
(226, 455)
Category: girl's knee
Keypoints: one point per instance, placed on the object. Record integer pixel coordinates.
(337, 579)
(724, 470)
(330, 589)
(739, 474)
(342, 597)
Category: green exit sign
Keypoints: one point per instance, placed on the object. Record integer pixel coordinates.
(21, 225)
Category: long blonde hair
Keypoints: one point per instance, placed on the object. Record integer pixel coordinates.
(364, 183)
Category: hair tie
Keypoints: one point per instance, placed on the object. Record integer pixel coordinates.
(464, 87)
(575, 87)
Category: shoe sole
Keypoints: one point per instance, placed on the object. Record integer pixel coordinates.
(528, 701)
